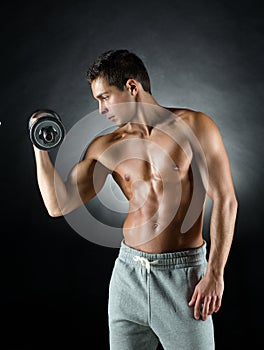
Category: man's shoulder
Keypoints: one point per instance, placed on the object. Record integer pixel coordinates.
(104, 140)
(198, 120)
(201, 124)
(99, 145)
(185, 114)
(190, 115)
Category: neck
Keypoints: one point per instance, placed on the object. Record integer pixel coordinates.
(147, 98)
(147, 115)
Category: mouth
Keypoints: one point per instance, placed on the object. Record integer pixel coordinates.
(112, 118)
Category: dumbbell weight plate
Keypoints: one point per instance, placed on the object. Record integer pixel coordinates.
(47, 132)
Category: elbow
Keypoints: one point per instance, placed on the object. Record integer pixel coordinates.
(232, 204)
(55, 213)
(56, 209)
(229, 202)
(61, 208)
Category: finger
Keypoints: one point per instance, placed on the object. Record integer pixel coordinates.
(206, 306)
(197, 308)
(218, 304)
(213, 305)
(193, 299)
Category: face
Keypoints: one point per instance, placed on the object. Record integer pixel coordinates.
(117, 106)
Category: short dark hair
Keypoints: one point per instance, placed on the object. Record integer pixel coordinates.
(117, 66)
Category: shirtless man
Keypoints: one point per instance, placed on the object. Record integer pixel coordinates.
(166, 161)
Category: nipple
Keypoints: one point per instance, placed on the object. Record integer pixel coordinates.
(155, 226)
(127, 177)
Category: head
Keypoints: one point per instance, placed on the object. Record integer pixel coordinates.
(118, 76)
(116, 67)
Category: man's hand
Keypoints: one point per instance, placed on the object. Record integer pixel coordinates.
(207, 296)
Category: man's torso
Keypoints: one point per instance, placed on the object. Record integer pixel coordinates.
(157, 172)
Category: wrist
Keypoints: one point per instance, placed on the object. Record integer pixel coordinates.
(215, 271)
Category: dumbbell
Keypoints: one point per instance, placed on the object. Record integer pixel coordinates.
(46, 129)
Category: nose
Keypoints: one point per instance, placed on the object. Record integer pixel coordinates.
(102, 108)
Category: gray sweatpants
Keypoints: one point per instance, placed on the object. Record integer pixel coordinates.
(148, 301)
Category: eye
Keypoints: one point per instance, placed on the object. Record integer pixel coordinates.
(105, 98)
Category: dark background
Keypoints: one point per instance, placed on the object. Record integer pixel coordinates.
(204, 55)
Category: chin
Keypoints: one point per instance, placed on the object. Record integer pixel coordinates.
(119, 121)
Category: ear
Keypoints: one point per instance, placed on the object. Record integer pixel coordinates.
(132, 86)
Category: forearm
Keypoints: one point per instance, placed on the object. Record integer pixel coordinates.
(222, 226)
(47, 177)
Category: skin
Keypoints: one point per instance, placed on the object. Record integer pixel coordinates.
(157, 159)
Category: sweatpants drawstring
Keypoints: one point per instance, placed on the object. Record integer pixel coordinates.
(145, 262)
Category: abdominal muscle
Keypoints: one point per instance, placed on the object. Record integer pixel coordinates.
(156, 214)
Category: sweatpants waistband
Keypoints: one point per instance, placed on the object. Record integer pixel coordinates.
(177, 259)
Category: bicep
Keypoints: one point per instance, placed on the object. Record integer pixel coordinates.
(87, 177)
(219, 177)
